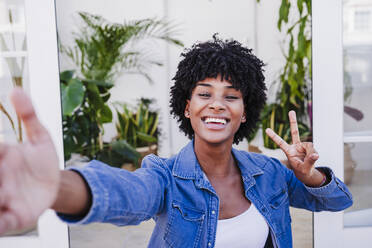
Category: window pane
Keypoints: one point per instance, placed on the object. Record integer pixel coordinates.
(358, 174)
(357, 39)
(362, 20)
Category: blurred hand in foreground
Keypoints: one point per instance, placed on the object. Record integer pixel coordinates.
(29, 173)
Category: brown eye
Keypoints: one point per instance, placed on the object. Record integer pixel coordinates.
(204, 95)
(232, 97)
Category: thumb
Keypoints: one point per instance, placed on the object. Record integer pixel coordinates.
(311, 159)
(311, 154)
(26, 112)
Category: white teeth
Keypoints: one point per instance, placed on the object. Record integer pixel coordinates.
(208, 119)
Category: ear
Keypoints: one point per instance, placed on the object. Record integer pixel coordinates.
(187, 111)
(244, 118)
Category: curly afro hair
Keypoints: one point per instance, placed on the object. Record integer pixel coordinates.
(232, 62)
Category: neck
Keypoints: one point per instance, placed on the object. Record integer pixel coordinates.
(216, 160)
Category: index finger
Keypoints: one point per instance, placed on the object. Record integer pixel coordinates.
(277, 139)
(294, 127)
(24, 109)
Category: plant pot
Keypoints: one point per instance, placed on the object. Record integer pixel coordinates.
(77, 160)
(144, 151)
(128, 166)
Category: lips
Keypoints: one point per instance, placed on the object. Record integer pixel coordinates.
(214, 122)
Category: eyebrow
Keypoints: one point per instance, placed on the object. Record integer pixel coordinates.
(208, 85)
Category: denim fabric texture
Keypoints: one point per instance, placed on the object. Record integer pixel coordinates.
(184, 204)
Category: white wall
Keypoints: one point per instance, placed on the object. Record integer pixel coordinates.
(253, 25)
(200, 20)
(270, 45)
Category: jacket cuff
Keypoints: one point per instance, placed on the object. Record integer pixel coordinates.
(327, 188)
(99, 205)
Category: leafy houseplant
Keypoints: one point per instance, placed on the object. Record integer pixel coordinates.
(101, 52)
(139, 128)
(85, 110)
(103, 49)
(136, 129)
(294, 90)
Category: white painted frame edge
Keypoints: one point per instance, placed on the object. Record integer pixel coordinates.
(45, 93)
(328, 105)
(327, 118)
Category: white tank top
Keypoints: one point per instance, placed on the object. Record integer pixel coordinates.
(247, 230)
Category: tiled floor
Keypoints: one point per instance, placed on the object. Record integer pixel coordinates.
(110, 236)
(302, 228)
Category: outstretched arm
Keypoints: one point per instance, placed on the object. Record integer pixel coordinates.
(30, 180)
(74, 196)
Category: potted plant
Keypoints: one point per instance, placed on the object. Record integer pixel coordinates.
(294, 81)
(139, 128)
(102, 51)
(85, 110)
(294, 91)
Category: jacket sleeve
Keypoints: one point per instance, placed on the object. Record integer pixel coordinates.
(121, 197)
(334, 196)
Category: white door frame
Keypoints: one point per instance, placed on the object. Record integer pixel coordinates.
(44, 88)
(328, 131)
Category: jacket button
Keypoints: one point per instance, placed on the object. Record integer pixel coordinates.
(213, 212)
(209, 244)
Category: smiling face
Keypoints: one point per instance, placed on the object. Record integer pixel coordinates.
(215, 110)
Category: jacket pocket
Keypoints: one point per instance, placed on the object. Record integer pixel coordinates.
(278, 198)
(280, 211)
(184, 226)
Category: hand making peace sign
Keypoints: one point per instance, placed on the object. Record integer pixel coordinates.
(301, 155)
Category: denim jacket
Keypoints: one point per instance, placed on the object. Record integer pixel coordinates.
(184, 204)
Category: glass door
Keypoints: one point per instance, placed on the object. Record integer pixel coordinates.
(29, 59)
(342, 52)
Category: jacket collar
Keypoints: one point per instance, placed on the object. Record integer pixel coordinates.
(186, 165)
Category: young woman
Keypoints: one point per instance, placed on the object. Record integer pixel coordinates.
(207, 195)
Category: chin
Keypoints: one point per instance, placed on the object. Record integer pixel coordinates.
(216, 139)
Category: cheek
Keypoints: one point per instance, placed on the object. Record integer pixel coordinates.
(238, 110)
(196, 107)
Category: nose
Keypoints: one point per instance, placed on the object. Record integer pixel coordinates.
(216, 105)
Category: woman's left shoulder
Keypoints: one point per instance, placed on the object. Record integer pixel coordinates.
(262, 161)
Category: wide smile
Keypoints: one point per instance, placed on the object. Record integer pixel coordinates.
(215, 123)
